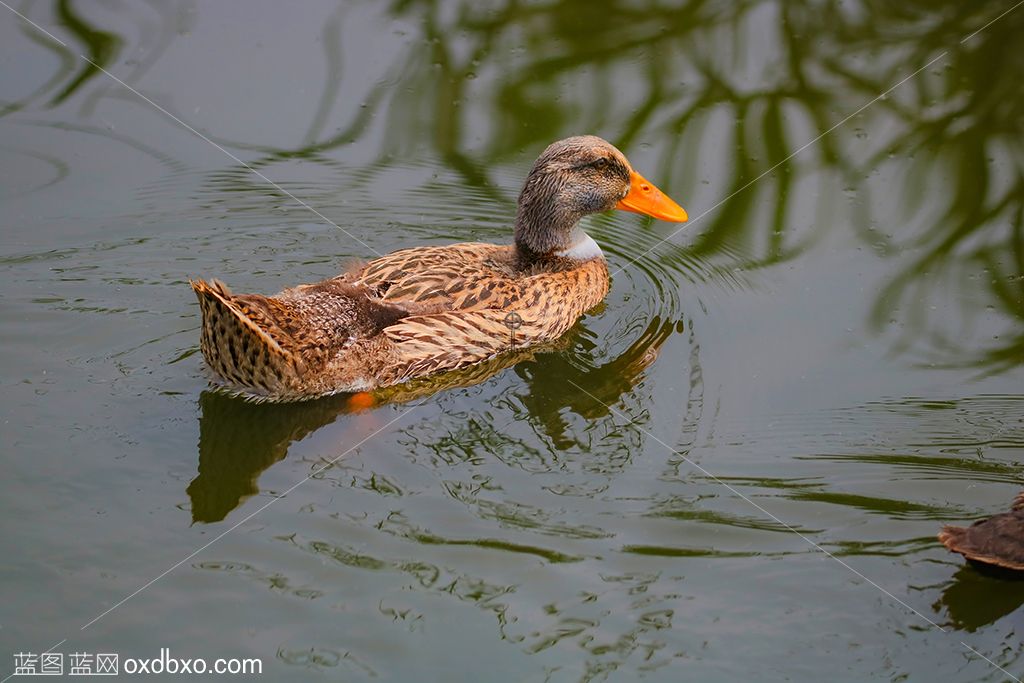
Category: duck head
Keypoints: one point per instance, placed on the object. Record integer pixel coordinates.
(575, 177)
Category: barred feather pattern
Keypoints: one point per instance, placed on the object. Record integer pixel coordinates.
(406, 315)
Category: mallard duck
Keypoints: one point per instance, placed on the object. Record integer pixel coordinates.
(996, 543)
(424, 310)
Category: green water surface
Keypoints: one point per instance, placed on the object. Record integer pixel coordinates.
(732, 470)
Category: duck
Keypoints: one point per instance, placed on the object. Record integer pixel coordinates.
(995, 544)
(430, 309)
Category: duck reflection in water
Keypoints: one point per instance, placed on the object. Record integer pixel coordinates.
(239, 439)
(968, 602)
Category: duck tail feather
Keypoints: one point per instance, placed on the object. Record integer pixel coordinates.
(242, 344)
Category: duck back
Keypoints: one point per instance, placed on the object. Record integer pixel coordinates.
(265, 345)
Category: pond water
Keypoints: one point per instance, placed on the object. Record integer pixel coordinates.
(733, 469)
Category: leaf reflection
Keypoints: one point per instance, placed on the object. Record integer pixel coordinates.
(481, 86)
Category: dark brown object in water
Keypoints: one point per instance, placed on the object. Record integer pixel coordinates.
(994, 543)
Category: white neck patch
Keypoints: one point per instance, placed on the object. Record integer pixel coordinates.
(583, 248)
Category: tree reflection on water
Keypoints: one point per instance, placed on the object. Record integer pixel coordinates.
(721, 101)
(748, 83)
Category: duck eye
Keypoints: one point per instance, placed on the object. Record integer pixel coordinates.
(600, 163)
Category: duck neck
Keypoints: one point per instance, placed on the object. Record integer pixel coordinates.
(547, 229)
(543, 227)
(574, 244)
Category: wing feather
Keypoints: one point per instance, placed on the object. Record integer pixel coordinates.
(469, 276)
(454, 339)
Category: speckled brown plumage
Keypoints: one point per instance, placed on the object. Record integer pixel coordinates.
(997, 541)
(424, 310)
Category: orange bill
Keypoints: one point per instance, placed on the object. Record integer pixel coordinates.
(645, 198)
